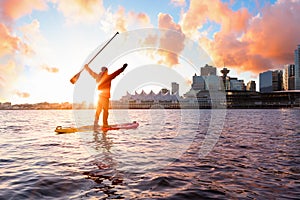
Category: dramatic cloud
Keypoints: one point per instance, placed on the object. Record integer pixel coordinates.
(167, 41)
(123, 21)
(245, 42)
(22, 94)
(14, 9)
(49, 69)
(201, 11)
(33, 37)
(170, 44)
(9, 44)
(121, 24)
(80, 11)
(16, 52)
(227, 50)
(275, 34)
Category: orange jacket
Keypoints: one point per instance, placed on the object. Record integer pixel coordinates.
(104, 83)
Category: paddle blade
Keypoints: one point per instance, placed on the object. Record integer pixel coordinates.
(75, 78)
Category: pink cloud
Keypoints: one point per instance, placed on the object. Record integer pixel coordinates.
(245, 42)
(121, 24)
(14, 9)
(123, 20)
(201, 11)
(165, 21)
(140, 18)
(275, 34)
(80, 11)
(9, 44)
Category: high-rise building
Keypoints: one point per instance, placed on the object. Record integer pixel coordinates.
(251, 86)
(277, 81)
(265, 81)
(208, 70)
(175, 88)
(297, 68)
(270, 81)
(289, 77)
(198, 83)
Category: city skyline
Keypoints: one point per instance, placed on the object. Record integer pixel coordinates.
(206, 70)
(47, 42)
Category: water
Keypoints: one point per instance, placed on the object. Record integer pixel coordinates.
(174, 154)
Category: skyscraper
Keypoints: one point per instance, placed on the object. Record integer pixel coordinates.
(198, 83)
(277, 81)
(265, 81)
(297, 68)
(270, 81)
(289, 77)
(208, 70)
(251, 86)
(175, 88)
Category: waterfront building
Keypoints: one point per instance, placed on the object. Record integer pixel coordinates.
(235, 84)
(231, 83)
(6, 105)
(208, 70)
(297, 68)
(289, 77)
(265, 81)
(175, 88)
(143, 97)
(208, 80)
(213, 82)
(270, 81)
(198, 83)
(277, 80)
(251, 86)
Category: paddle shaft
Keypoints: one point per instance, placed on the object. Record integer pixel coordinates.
(75, 78)
(103, 47)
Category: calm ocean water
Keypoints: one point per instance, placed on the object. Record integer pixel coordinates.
(174, 154)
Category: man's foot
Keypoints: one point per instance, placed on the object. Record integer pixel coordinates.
(106, 126)
(96, 126)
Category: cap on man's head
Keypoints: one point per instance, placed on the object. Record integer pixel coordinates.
(103, 69)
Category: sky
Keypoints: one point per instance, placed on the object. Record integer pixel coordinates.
(45, 42)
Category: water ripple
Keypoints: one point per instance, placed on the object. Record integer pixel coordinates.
(257, 156)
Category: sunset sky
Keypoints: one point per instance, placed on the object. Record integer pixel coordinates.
(45, 42)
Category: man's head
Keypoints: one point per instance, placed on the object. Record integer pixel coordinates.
(104, 70)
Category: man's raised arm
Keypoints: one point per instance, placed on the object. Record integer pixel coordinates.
(93, 74)
(119, 71)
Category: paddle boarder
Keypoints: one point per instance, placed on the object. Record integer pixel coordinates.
(103, 80)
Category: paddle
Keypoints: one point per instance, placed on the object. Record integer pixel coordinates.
(76, 76)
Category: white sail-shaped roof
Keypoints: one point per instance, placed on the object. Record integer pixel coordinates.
(143, 96)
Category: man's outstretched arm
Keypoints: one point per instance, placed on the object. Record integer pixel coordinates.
(91, 72)
(119, 71)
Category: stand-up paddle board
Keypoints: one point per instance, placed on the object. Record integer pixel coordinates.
(61, 130)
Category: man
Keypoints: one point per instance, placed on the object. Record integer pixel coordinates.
(103, 80)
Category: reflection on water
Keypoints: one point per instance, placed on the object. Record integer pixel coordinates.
(257, 156)
(106, 175)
